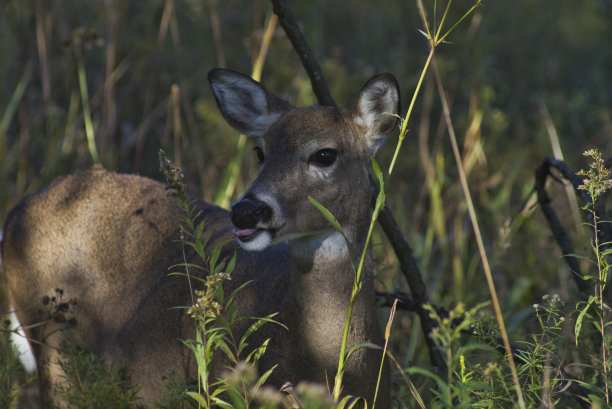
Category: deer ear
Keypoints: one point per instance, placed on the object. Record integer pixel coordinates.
(376, 110)
(244, 103)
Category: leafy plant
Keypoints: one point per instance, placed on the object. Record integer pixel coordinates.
(596, 182)
(11, 371)
(214, 313)
(90, 385)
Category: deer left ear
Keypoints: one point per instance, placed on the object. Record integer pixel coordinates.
(246, 104)
(376, 109)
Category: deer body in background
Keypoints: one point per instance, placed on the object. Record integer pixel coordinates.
(107, 241)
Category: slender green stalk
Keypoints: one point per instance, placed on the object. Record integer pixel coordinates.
(342, 359)
(596, 182)
(402, 134)
(464, 186)
(11, 108)
(442, 21)
(450, 30)
(380, 203)
(91, 140)
(599, 294)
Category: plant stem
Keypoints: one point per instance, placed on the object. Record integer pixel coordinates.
(599, 295)
(481, 250)
(402, 134)
(349, 314)
(387, 336)
(91, 140)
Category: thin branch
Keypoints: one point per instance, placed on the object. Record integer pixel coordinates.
(559, 232)
(411, 272)
(309, 61)
(604, 231)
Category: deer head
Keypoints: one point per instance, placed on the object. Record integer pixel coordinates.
(321, 152)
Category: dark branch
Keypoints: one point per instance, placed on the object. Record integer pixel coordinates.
(604, 231)
(406, 303)
(309, 61)
(412, 274)
(557, 229)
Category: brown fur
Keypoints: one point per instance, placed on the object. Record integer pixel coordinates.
(107, 240)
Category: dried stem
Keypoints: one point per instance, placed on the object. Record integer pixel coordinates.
(483, 254)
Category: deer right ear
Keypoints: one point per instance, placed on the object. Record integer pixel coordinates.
(377, 109)
(244, 103)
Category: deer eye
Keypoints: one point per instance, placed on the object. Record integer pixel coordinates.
(260, 154)
(324, 157)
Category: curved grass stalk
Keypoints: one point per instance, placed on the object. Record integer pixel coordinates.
(89, 131)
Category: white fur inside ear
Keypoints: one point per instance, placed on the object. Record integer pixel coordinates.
(377, 105)
(244, 103)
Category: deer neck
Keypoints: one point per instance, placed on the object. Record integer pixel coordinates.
(321, 265)
(322, 280)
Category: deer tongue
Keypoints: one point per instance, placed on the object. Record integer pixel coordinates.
(241, 233)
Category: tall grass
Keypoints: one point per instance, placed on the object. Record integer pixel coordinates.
(489, 91)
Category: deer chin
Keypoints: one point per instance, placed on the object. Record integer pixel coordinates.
(254, 239)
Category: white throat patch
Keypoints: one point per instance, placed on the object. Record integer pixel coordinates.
(325, 247)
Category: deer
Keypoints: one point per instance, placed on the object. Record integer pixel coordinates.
(104, 242)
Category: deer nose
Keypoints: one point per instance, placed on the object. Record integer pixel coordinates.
(247, 213)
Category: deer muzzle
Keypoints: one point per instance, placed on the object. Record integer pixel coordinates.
(249, 218)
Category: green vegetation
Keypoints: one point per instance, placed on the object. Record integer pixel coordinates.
(116, 81)
(90, 385)
(215, 315)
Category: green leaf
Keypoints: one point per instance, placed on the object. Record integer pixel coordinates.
(213, 259)
(228, 352)
(198, 232)
(233, 312)
(257, 324)
(424, 34)
(236, 291)
(328, 216)
(350, 401)
(378, 173)
(198, 398)
(263, 378)
(229, 268)
(258, 352)
(580, 318)
(433, 376)
(359, 346)
(206, 238)
(223, 404)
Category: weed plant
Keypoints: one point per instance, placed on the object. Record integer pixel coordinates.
(214, 313)
(11, 372)
(89, 384)
(595, 311)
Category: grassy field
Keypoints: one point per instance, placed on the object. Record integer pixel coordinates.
(525, 80)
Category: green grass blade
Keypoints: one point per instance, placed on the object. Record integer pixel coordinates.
(328, 216)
